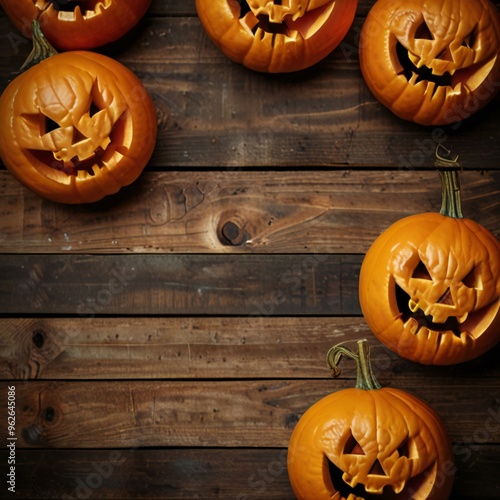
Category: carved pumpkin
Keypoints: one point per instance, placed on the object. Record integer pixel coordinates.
(429, 285)
(434, 63)
(76, 127)
(73, 25)
(369, 442)
(276, 36)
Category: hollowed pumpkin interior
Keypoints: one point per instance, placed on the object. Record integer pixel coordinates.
(98, 159)
(69, 9)
(472, 323)
(466, 78)
(413, 486)
(71, 142)
(306, 25)
(378, 482)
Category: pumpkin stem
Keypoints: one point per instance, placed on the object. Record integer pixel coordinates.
(41, 50)
(451, 205)
(365, 376)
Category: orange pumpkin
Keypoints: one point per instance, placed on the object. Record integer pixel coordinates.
(76, 127)
(276, 37)
(429, 285)
(434, 63)
(71, 25)
(369, 442)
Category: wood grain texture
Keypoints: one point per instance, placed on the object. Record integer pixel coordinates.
(188, 8)
(253, 285)
(204, 348)
(239, 474)
(232, 117)
(214, 112)
(165, 341)
(193, 212)
(249, 413)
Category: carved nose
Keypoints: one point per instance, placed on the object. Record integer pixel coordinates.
(445, 55)
(377, 469)
(446, 298)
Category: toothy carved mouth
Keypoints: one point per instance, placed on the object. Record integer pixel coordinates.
(457, 81)
(73, 166)
(416, 320)
(412, 486)
(69, 10)
(419, 319)
(306, 26)
(97, 159)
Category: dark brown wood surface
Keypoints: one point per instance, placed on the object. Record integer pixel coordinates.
(164, 342)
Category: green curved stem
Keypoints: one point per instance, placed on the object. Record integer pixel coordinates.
(41, 50)
(450, 194)
(451, 204)
(365, 376)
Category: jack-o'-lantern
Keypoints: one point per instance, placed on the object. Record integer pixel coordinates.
(429, 285)
(432, 62)
(76, 25)
(276, 36)
(369, 442)
(76, 127)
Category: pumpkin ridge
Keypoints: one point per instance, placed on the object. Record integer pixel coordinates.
(276, 37)
(113, 143)
(396, 397)
(434, 76)
(437, 431)
(439, 319)
(369, 444)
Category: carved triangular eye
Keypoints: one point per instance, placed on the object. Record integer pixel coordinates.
(50, 125)
(352, 447)
(473, 279)
(96, 98)
(93, 110)
(424, 32)
(469, 40)
(421, 272)
(403, 449)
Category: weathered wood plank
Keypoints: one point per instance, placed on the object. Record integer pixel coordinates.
(212, 111)
(222, 414)
(193, 212)
(236, 474)
(172, 8)
(175, 348)
(254, 285)
(188, 8)
(323, 116)
(258, 370)
(202, 348)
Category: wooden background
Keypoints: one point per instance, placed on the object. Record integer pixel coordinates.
(165, 341)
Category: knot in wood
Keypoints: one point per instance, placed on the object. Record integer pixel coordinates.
(49, 414)
(32, 434)
(232, 234)
(38, 338)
